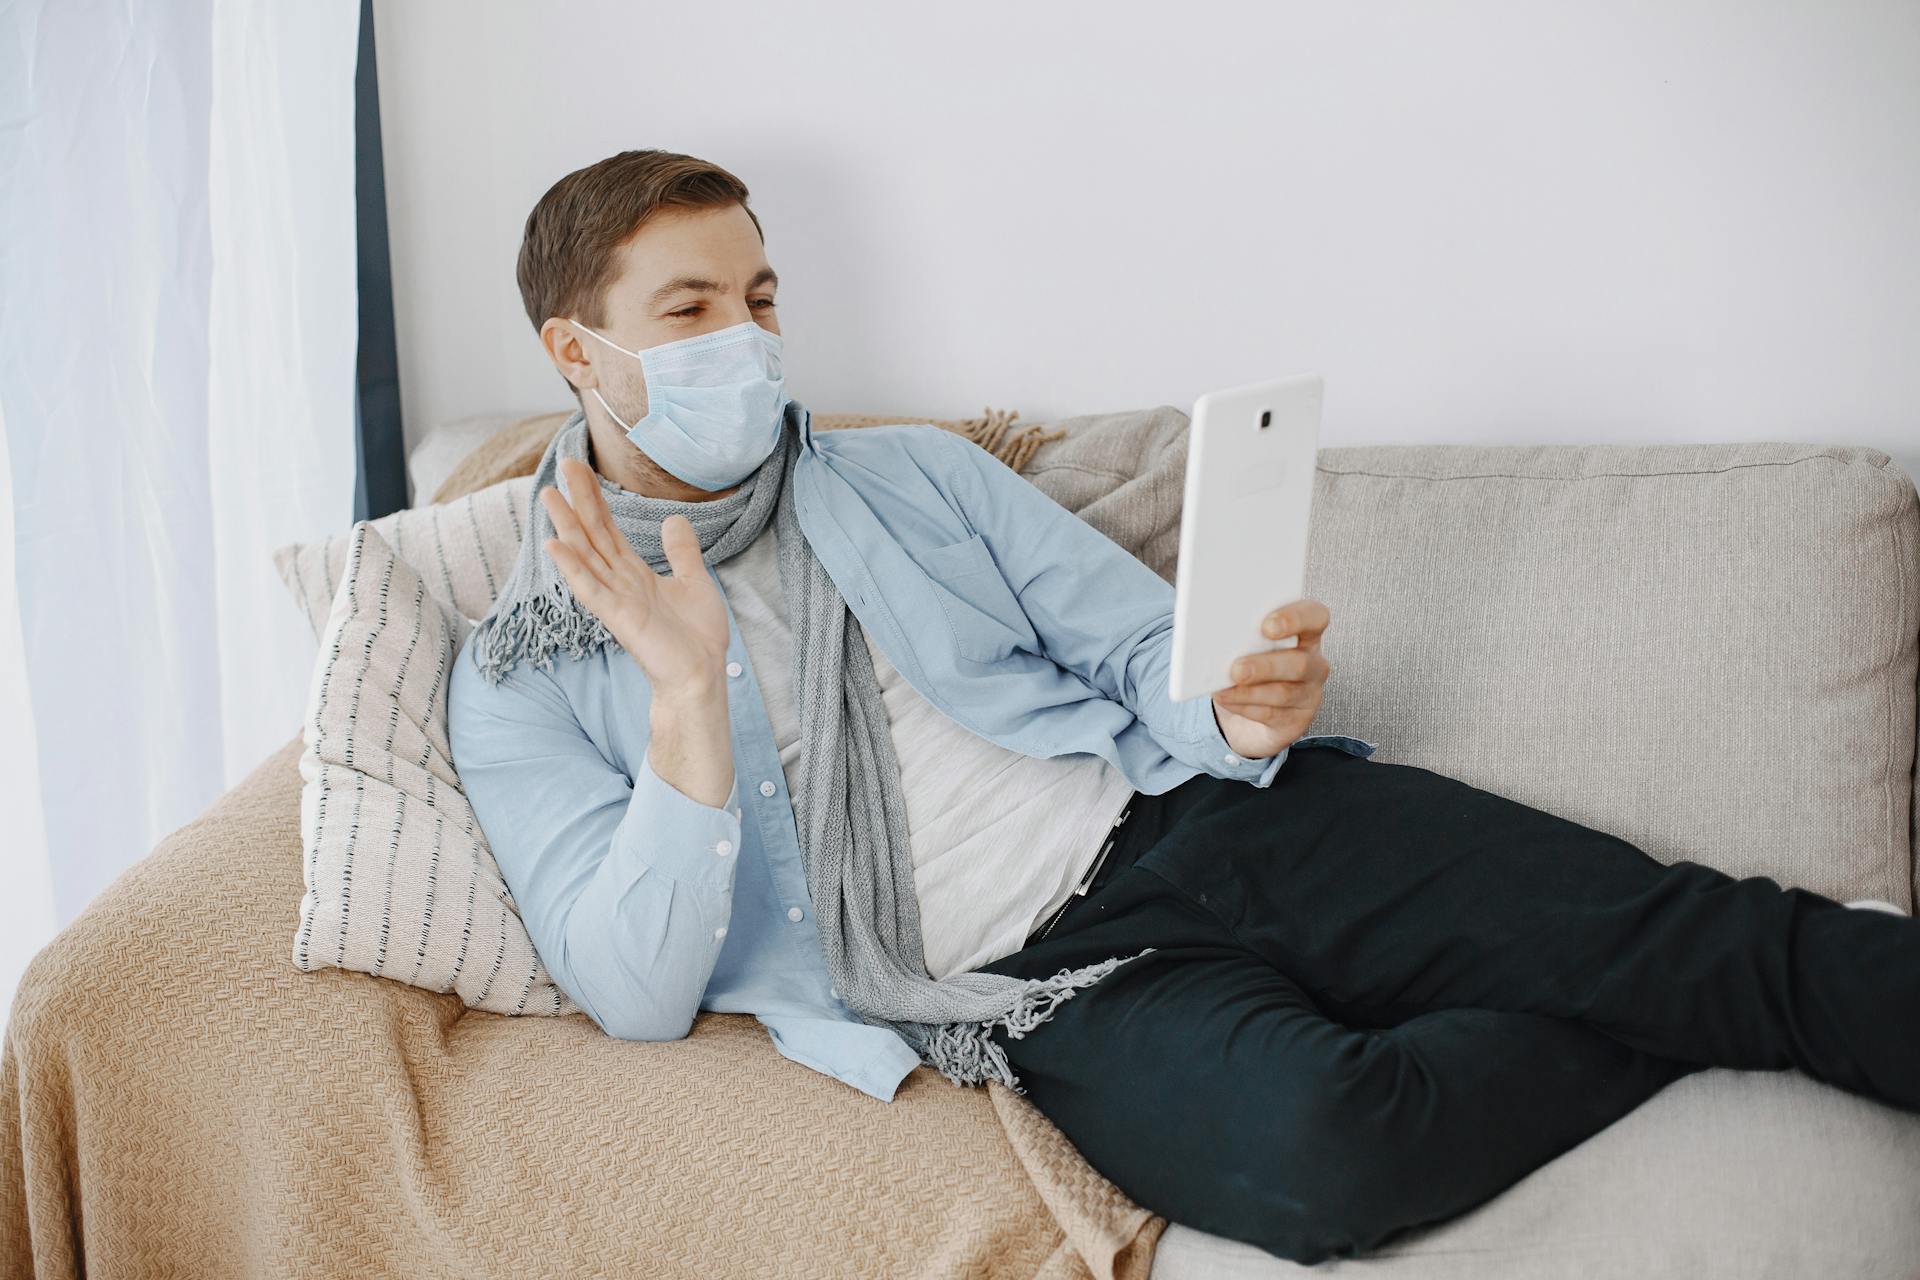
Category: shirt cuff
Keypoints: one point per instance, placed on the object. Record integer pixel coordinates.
(1215, 754)
(678, 836)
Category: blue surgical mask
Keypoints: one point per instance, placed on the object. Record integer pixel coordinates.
(714, 403)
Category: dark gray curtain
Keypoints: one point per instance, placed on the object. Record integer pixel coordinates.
(380, 448)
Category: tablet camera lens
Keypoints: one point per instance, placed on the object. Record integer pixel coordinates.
(1266, 416)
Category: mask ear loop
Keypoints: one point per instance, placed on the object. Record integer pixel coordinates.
(596, 391)
(609, 408)
(609, 341)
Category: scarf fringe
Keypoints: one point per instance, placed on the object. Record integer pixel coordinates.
(965, 1052)
(532, 630)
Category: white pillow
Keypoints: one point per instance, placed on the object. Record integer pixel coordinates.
(464, 550)
(400, 882)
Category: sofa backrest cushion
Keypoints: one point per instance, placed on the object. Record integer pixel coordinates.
(1707, 650)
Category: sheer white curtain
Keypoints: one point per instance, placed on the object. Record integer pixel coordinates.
(177, 345)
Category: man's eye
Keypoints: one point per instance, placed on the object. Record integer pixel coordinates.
(695, 310)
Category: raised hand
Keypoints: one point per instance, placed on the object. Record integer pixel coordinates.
(674, 625)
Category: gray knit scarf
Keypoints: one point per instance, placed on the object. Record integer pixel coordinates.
(850, 810)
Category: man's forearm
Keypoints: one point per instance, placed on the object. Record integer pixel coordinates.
(691, 743)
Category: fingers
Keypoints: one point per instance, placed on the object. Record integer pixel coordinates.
(594, 513)
(1300, 663)
(1304, 618)
(587, 586)
(582, 519)
(682, 547)
(1267, 697)
(567, 524)
(1269, 715)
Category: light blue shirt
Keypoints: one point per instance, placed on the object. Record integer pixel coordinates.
(1004, 609)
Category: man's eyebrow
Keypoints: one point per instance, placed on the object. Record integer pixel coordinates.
(698, 284)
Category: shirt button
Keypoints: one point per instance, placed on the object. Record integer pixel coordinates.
(1231, 758)
(834, 992)
(724, 848)
(793, 913)
(721, 932)
(733, 668)
(766, 788)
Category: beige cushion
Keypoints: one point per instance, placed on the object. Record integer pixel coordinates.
(399, 880)
(463, 551)
(1707, 650)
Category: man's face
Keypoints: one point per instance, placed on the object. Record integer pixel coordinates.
(686, 272)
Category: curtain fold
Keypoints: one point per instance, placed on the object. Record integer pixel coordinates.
(177, 347)
(383, 455)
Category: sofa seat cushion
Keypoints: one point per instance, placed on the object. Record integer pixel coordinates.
(1722, 1175)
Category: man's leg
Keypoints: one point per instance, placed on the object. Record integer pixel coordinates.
(1394, 888)
(1212, 1090)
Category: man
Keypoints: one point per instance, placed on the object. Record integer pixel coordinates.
(1317, 999)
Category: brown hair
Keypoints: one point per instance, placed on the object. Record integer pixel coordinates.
(566, 252)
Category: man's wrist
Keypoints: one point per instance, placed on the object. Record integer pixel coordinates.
(695, 703)
(689, 697)
(690, 744)
(1214, 707)
(1265, 755)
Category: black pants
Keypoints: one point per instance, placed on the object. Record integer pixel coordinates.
(1382, 995)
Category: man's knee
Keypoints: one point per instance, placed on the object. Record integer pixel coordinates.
(1325, 1173)
(1342, 1206)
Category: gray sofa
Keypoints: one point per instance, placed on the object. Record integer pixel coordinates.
(1710, 651)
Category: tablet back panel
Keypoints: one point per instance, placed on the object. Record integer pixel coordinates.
(1243, 524)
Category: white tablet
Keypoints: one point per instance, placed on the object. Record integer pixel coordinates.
(1243, 525)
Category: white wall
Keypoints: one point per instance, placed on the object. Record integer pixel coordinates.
(1483, 222)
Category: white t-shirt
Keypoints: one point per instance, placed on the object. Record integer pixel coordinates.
(999, 838)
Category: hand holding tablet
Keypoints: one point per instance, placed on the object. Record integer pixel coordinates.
(1244, 523)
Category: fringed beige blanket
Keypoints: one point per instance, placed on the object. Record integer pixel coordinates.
(177, 1099)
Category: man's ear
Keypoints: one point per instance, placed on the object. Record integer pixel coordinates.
(568, 353)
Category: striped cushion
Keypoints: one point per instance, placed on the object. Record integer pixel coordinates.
(463, 549)
(400, 882)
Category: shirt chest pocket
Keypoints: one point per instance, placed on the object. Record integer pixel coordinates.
(982, 611)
